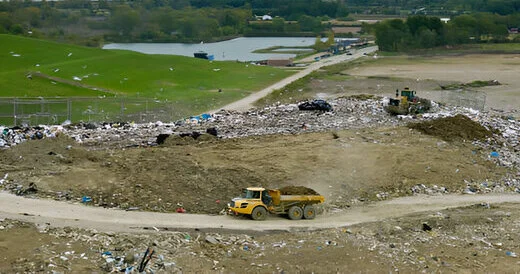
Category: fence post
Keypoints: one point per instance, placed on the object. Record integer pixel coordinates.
(146, 113)
(69, 109)
(14, 112)
(122, 109)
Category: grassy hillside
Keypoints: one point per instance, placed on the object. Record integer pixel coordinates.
(38, 68)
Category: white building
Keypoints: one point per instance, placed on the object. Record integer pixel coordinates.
(267, 17)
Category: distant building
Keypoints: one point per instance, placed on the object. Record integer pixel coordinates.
(512, 30)
(267, 17)
(445, 20)
(345, 42)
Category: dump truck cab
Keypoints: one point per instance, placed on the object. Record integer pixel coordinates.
(252, 197)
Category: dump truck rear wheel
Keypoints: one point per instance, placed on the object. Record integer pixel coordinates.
(295, 213)
(309, 212)
(259, 213)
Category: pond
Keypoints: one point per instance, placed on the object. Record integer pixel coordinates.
(240, 49)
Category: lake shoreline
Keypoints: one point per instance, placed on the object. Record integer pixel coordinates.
(237, 49)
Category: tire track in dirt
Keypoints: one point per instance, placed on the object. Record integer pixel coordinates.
(61, 214)
(70, 82)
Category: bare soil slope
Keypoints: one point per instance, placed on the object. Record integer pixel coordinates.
(202, 176)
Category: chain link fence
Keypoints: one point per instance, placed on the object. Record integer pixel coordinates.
(51, 111)
(36, 111)
(464, 98)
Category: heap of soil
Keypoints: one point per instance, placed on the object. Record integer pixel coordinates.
(297, 190)
(458, 128)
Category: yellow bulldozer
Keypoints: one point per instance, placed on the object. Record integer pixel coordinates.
(258, 201)
(407, 102)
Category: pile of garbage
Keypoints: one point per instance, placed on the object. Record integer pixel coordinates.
(16, 135)
(124, 252)
(276, 119)
(504, 144)
(347, 113)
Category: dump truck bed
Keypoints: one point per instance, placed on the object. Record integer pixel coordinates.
(286, 200)
(282, 203)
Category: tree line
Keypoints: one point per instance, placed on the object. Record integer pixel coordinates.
(433, 7)
(93, 23)
(418, 32)
(163, 20)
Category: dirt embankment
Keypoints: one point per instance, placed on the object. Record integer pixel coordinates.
(202, 175)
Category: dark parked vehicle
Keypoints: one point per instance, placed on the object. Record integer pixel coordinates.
(315, 105)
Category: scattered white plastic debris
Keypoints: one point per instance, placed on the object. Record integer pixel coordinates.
(76, 78)
(3, 179)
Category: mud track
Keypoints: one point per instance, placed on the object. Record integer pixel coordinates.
(61, 214)
(70, 82)
(247, 102)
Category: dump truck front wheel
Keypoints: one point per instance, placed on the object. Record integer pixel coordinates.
(309, 212)
(295, 213)
(259, 213)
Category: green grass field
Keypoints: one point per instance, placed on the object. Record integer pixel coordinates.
(32, 68)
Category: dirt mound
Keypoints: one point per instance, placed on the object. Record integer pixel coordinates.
(459, 128)
(297, 190)
(202, 176)
(185, 138)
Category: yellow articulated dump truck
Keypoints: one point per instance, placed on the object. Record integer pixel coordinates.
(296, 202)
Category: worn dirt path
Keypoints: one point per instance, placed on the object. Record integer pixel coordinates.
(247, 102)
(61, 214)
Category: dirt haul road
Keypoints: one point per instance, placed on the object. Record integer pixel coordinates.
(247, 102)
(61, 214)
